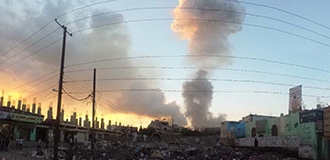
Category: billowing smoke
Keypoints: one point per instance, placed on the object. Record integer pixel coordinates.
(149, 104)
(22, 18)
(197, 96)
(206, 24)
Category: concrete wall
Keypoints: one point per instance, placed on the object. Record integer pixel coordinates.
(270, 121)
(81, 137)
(231, 129)
(275, 141)
(308, 140)
(289, 124)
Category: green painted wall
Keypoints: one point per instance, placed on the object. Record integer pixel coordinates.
(33, 134)
(289, 125)
(270, 123)
(248, 128)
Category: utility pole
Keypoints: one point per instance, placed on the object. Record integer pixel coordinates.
(93, 111)
(57, 136)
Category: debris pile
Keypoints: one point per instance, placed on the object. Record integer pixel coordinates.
(186, 149)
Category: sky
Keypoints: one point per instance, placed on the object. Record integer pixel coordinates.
(198, 62)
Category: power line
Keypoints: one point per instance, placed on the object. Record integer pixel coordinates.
(27, 38)
(75, 85)
(77, 99)
(144, 8)
(161, 19)
(284, 11)
(40, 92)
(203, 9)
(44, 100)
(48, 23)
(38, 84)
(204, 68)
(85, 6)
(203, 20)
(32, 81)
(210, 55)
(37, 51)
(46, 97)
(203, 91)
(201, 79)
(22, 51)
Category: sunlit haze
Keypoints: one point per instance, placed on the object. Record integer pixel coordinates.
(194, 62)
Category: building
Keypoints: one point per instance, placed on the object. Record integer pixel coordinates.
(230, 130)
(17, 123)
(301, 131)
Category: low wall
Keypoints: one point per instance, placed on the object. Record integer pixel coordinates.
(283, 142)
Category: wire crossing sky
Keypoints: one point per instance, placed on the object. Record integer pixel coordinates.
(168, 58)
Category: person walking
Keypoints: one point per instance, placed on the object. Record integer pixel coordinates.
(20, 143)
(39, 152)
(17, 142)
(6, 143)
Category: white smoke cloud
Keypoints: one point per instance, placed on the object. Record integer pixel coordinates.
(206, 25)
(112, 41)
(197, 96)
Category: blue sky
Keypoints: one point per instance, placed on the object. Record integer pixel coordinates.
(156, 38)
(257, 43)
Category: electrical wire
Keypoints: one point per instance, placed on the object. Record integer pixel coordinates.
(210, 55)
(25, 57)
(27, 38)
(47, 24)
(199, 79)
(203, 91)
(203, 20)
(85, 6)
(78, 99)
(243, 2)
(74, 85)
(40, 83)
(108, 1)
(40, 92)
(284, 11)
(36, 80)
(202, 9)
(203, 68)
(22, 51)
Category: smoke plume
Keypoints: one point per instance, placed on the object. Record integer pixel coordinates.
(149, 104)
(197, 96)
(22, 18)
(206, 24)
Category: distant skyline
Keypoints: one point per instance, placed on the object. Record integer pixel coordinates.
(142, 61)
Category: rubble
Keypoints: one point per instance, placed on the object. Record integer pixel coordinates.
(183, 149)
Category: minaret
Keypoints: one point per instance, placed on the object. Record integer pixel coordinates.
(96, 123)
(39, 109)
(50, 113)
(19, 104)
(13, 104)
(62, 115)
(34, 105)
(28, 108)
(1, 98)
(102, 123)
(9, 102)
(86, 122)
(24, 105)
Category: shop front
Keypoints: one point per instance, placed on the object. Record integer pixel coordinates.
(24, 125)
